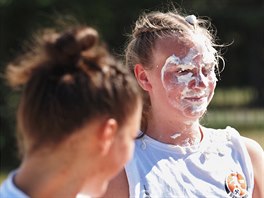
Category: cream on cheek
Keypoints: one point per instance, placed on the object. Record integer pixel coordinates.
(177, 75)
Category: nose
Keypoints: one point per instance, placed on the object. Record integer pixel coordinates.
(198, 81)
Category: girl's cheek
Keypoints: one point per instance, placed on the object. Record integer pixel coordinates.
(212, 78)
(171, 80)
(211, 88)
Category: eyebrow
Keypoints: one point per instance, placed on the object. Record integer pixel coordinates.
(184, 67)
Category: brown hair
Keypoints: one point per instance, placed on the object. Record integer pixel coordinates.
(154, 25)
(69, 78)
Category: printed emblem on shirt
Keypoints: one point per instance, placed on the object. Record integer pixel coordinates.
(236, 186)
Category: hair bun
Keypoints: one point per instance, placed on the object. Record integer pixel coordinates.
(87, 37)
(66, 48)
(67, 45)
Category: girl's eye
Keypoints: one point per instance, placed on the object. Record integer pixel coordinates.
(178, 71)
(183, 72)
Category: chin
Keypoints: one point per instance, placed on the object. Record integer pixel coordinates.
(194, 114)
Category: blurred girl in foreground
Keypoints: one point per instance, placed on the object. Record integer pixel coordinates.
(79, 113)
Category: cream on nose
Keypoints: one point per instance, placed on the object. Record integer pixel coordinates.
(199, 80)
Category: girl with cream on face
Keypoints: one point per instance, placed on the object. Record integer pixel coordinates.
(195, 77)
(175, 61)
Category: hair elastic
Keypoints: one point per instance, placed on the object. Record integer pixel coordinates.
(191, 19)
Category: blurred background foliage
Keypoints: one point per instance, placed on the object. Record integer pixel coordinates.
(239, 98)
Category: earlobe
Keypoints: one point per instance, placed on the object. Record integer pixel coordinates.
(142, 77)
(108, 134)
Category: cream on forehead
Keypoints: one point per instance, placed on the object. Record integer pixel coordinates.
(205, 47)
(175, 60)
(187, 61)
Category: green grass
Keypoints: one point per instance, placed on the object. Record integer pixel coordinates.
(230, 107)
(248, 122)
(251, 119)
(3, 175)
(235, 97)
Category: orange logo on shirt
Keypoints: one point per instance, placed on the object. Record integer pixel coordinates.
(236, 185)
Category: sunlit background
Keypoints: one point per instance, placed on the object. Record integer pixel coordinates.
(239, 97)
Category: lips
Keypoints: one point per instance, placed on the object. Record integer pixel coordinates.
(196, 98)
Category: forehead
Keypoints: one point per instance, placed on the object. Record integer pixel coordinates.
(164, 47)
(179, 46)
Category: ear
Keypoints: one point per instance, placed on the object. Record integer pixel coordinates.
(107, 136)
(142, 77)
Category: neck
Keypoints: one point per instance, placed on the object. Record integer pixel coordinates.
(174, 131)
(44, 178)
(51, 175)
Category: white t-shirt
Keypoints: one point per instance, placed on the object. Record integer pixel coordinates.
(9, 190)
(219, 166)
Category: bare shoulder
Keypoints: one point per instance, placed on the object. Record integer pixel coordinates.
(254, 149)
(118, 187)
(257, 158)
(256, 153)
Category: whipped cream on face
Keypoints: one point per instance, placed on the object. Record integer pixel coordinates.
(179, 72)
(176, 135)
(187, 141)
(204, 45)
